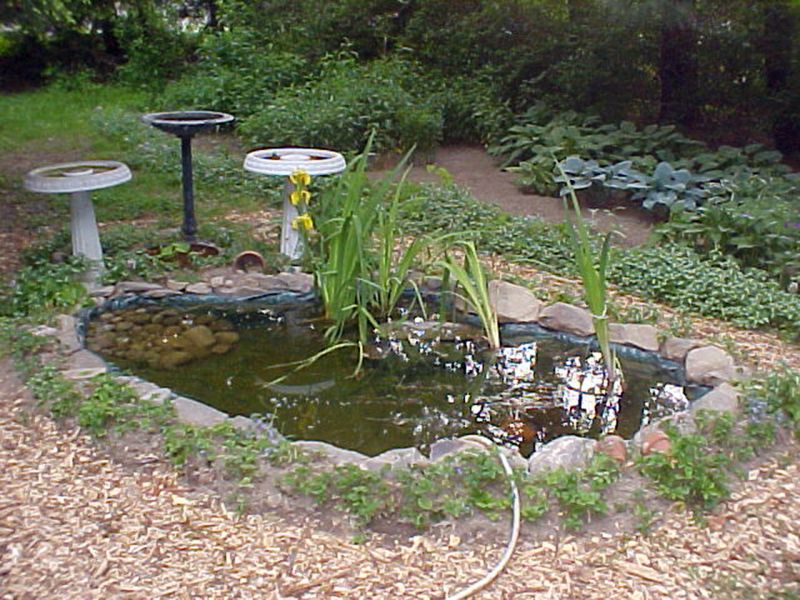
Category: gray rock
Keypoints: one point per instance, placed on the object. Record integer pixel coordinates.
(297, 282)
(134, 287)
(243, 423)
(399, 458)
(68, 334)
(634, 334)
(709, 365)
(566, 317)
(177, 286)
(244, 291)
(217, 281)
(334, 454)
(83, 374)
(446, 447)
(200, 287)
(161, 293)
(83, 359)
(514, 303)
(676, 349)
(102, 292)
(683, 422)
(44, 331)
(569, 452)
(195, 413)
(723, 398)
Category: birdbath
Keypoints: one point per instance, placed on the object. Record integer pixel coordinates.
(283, 162)
(186, 124)
(78, 179)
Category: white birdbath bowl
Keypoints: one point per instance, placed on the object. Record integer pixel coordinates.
(283, 162)
(78, 179)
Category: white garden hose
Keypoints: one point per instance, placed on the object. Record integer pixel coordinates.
(512, 542)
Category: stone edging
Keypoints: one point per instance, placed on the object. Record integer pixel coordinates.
(704, 365)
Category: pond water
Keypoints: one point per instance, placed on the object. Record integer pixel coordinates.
(426, 382)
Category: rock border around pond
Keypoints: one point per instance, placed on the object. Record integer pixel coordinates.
(704, 364)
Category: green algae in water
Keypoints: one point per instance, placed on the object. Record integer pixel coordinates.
(422, 388)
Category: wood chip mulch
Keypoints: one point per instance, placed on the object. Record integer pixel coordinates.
(74, 524)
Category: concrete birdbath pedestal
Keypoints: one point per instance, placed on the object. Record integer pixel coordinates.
(78, 179)
(283, 162)
(185, 125)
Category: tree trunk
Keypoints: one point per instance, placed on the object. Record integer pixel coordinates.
(780, 27)
(677, 67)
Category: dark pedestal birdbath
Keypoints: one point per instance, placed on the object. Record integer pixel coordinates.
(78, 179)
(185, 125)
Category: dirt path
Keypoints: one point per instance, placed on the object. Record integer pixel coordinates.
(473, 168)
(74, 524)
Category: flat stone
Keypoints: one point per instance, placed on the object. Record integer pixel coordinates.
(44, 331)
(244, 291)
(83, 359)
(177, 286)
(334, 454)
(675, 348)
(566, 317)
(568, 452)
(243, 423)
(514, 303)
(297, 282)
(446, 447)
(83, 374)
(217, 281)
(398, 458)
(196, 413)
(102, 292)
(200, 288)
(161, 293)
(723, 398)
(634, 334)
(134, 287)
(709, 365)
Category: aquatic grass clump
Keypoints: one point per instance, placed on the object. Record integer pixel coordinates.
(593, 276)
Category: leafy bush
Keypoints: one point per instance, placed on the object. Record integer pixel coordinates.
(349, 101)
(43, 287)
(237, 72)
(754, 219)
(779, 393)
(691, 471)
(712, 285)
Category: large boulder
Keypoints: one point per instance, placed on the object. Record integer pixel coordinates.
(634, 334)
(513, 303)
(569, 452)
(675, 348)
(566, 317)
(709, 365)
(723, 398)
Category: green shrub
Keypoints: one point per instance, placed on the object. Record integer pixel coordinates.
(237, 72)
(777, 393)
(348, 102)
(752, 218)
(691, 471)
(44, 287)
(713, 285)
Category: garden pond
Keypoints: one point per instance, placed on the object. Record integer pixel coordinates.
(420, 382)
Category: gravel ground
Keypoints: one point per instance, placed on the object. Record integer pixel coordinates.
(74, 524)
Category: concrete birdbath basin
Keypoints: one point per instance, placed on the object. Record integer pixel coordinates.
(185, 125)
(284, 162)
(78, 179)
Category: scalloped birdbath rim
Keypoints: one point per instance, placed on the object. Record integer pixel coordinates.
(286, 161)
(81, 176)
(186, 122)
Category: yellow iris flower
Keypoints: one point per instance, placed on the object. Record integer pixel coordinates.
(298, 196)
(304, 222)
(300, 178)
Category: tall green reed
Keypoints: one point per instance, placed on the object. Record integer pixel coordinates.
(593, 275)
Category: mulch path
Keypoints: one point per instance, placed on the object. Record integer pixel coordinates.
(74, 524)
